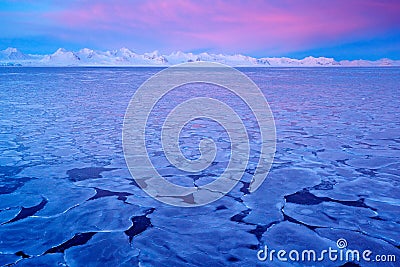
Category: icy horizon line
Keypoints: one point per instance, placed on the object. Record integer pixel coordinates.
(125, 57)
(180, 51)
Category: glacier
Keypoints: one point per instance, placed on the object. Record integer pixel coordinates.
(126, 57)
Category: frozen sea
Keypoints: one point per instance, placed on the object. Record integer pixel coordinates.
(67, 197)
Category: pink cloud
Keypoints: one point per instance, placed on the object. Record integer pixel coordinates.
(235, 25)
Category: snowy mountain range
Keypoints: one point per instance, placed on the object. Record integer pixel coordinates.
(125, 57)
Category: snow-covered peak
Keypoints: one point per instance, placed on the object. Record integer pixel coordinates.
(86, 53)
(309, 61)
(61, 57)
(60, 51)
(124, 53)
(10, 50)
(181, 57)
(179, 54)
(12, 53)
(125, 50)
(155, 56)
(319, 61)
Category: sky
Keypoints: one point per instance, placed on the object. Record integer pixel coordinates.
(342, 29)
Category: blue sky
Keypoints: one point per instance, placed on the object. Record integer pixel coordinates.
(341, 29)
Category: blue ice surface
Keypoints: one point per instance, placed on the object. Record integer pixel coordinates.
(67, 197)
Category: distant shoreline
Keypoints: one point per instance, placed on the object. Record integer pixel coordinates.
(124, 57)
(167, 66)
